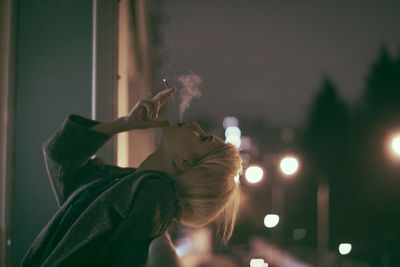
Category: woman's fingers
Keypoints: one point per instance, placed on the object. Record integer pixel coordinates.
(145, 112)
(164, 95)
(156, 109)
(152, 108)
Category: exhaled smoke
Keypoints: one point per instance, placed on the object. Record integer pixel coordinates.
(189, 91)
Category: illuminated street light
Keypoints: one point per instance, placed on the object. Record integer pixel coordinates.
(233, 136)
(289, 165)
(271, 220)
(233, 131)
(396, 145)
(254, 174)
(392, 143)
(344, 248)
(230, 121)
(258, 263)
(234, 140)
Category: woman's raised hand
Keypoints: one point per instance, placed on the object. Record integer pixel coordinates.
(145, 113)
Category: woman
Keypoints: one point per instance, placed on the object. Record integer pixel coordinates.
(110, 216)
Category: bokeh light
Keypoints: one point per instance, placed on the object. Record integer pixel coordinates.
(258, 263)
(396, 145)
(344, 248)
(392, 146)
(245, 143)
(232, 134)
(299, 233)
(271, 220)
(254, 174)
(183, 246)
(232, 131)
(230, 122)
(234, 140)
(289, 165)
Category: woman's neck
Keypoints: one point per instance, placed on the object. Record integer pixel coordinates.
(158, 161)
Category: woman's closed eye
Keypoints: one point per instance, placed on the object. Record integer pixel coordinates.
(207, 138)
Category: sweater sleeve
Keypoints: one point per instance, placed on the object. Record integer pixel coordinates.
(67, 155)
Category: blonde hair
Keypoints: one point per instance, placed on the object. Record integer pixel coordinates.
(208, 191)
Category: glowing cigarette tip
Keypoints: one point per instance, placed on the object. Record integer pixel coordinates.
(165, 83)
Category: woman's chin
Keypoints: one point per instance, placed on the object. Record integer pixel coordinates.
(168, 129)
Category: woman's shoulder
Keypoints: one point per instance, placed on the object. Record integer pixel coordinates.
(154, 175)
(157, 182)
(143, 189)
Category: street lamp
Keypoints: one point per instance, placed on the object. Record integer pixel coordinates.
(271, 220)
(254, 174)
(396, 145)
(289, 165)
(392, 145)
(258, 263)
(344, 248)
(232, 135)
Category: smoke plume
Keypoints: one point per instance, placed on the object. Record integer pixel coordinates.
(189, 91)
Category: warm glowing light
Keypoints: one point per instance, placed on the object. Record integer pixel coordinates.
(236, 178)
(230, 121)
(245, 143)
(234, 140)
(232, 134)
(271, 220)
(183, 247)
(258, 263)
(396, 145)
(344, 248)
(254, 174)
(232, 131)
(289, 165)
(392, 144)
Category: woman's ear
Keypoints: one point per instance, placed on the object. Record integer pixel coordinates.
(182, 164)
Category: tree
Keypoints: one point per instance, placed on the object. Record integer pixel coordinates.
(325, 143)
(377, 115)
(381, 96)
(325, 135)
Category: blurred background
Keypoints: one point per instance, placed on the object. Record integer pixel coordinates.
(309, 91)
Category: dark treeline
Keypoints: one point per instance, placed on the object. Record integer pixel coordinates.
(347, 146)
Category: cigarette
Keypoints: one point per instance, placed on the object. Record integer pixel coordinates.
(165, 83)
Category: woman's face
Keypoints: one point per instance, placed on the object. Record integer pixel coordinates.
(189, 141)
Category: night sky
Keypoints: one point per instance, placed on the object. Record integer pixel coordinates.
(266, 58)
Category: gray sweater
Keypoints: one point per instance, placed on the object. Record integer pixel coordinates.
(108, 215)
